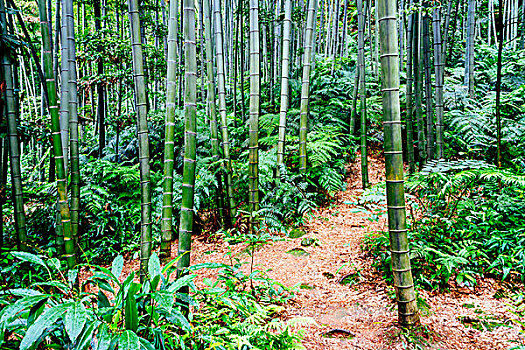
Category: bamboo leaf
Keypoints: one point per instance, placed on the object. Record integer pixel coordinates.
(117, 266)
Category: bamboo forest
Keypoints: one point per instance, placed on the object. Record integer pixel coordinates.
(262, 174)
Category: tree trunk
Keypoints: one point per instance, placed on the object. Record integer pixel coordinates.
(305, 91)
(428, 87)
(143, 138)
(406, 298)
(362, 91)
(169, 130)
(64, 213)
(255, 86)
(439, 77)
(190, 139)
(284, 86)
(221, 80)
(12, 135)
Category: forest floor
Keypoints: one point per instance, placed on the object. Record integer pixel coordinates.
(460, 318)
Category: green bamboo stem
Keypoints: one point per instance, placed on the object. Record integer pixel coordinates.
(212, 107)
(190, 139)
(439, 74)
(428, 86)
(410, 95)
(287, 25)
(142, 134)
(403, 282)
(305, 90)
(12, 135)
(169, 143)
(221, 82)
(421, 140)
(362, 91)
(73, 121)
(255, 86)
(353, 111)
(49, 74)
(64, 85)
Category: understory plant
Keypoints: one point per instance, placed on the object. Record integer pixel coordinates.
(102, 308)
(467, 222)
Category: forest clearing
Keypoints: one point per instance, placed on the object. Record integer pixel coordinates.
(262, 174)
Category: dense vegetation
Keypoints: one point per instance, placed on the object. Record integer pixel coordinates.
(122, 135)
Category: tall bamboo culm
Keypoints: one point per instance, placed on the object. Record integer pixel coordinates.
(73, 121)
(305, 84)
(410, 95)
(142, 135)
(362, 91)
(403, 282)
(12, 135)
(428, 85)
(439, 77)
(287, 25)
(49, 74)
(190, 136)
(210, 102)
(169, 129)
(255, 86)
(221, 81)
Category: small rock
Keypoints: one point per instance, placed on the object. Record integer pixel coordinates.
(296, 233)
(298, 252)
(307, 242)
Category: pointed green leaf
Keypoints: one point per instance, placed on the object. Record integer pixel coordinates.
(87, 336)
(45, 321)
(103, 337)
(184, 281)
(117, 266)
(128, 341)
(145, 345)
(75, 320)
(154, 266)
(32, 258)
(131, 312)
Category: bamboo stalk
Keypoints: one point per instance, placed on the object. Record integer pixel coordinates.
(406, 299)
(285, 64)
(12, 135)
(142, 134)
(305, 90)
(362, 91)
(190, 139)
(169, 130)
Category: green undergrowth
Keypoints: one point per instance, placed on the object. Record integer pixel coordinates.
(467, 223)
(110, 310)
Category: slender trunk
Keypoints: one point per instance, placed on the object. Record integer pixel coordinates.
(405, 294)
(221, 80)
(190, 139)
(64, 85)
(353, 111)
(428, 87)
(498, 84)
(12, 135)
(73, 120)
(421, 141)
(255, 86)
(469, 52)
(169, 130)
(143, 138)
(64, 214)
(410, 95)
(284, 86)
(101, 111)
(439, 77)
(212, 108)
(446, 34)
(362, 91)
(305, 91)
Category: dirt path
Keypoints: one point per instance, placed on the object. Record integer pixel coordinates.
(366, 309)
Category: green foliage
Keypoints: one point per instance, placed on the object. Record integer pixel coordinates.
(469, 226)
(113, 311)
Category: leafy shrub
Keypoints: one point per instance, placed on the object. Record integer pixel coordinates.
(106, 313)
